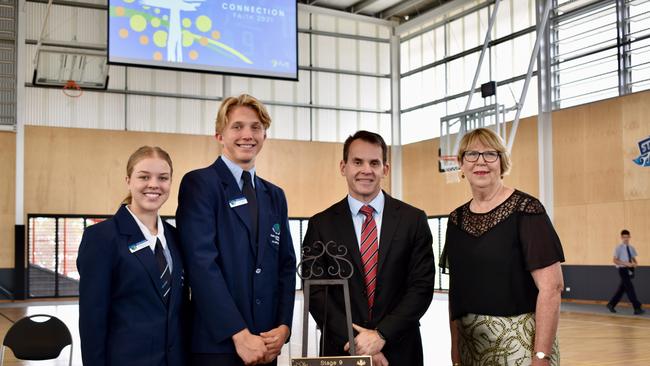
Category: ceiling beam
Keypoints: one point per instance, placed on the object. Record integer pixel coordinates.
(344, 14)
(436, 12)
(360, 5)
(400, 7)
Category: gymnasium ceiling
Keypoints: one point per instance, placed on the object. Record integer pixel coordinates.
(400, 11)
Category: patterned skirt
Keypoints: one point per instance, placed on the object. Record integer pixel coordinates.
(498, 341)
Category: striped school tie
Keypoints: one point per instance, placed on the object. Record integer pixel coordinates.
(369, 254)
(163, 266)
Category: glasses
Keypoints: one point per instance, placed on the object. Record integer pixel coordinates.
(488, 156)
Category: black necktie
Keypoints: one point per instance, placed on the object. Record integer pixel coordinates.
(249, 193)
(163, 266)
(629, 254)
(630, 270)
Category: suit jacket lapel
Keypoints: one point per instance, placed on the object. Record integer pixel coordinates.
(177, 264)
(389, 222)
(348, 236)
(233, 192)
(264, 220)
(130, 229)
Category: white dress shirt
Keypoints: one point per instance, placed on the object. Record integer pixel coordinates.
(237, 172)
(377, 204)
(151, 239)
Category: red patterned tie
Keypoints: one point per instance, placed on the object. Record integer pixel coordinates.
(369, 253)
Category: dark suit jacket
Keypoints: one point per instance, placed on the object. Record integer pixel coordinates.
(405, 279)
(236, 281)
(122, 317)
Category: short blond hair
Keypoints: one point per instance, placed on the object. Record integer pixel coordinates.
(244, 100)
(490, 139)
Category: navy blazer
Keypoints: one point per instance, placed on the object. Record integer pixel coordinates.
(122, 317)
(236, 281)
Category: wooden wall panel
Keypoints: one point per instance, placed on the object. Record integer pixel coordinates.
(636, 220)
(568, 156)
(636, 127)
(589, 233)
(603, 174)
(604, 224)
(593, 149)
(82, 171)
(571, 225)
(423, 186)
(426, 188)
(7, 198)
(524, 174)
(308, 172)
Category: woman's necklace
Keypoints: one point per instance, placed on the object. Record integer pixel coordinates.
(486, 205)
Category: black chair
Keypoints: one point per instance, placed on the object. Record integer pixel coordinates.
(31, 340)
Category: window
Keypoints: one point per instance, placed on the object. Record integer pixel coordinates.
(438, 66)
(601, 50)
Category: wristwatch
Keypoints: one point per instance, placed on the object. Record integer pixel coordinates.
(542, 356)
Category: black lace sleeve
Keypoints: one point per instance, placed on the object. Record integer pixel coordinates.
(540, 243)
(444, 260)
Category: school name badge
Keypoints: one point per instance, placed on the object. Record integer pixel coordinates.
(275, 235)
(644, 148)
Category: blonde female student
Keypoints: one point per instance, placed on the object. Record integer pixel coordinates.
(131, 286)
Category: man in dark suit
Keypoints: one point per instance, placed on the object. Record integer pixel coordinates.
(237, 246)
(389, 244)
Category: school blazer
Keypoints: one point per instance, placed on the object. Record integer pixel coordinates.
(236, 281)
(122, 317)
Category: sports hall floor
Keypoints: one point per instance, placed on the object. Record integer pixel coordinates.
(588, 333)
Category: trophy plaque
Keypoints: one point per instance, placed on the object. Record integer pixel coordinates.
(333, 361)
(324, 264)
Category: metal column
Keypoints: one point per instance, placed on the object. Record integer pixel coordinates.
(19, 229)
(544, 118)
(396, 145)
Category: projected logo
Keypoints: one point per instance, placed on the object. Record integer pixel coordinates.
(235, 35)
(644, 148)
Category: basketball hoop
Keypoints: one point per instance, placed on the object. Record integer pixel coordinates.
(72, 89)
(449, 164)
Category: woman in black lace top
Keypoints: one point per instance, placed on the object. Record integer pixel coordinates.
(503, 257)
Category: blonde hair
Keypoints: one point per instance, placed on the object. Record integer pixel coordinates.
(244, 100)
(140, 154)
(490, 139)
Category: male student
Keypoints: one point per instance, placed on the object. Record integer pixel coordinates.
(237, 246)
(389, 244)
(625, 261)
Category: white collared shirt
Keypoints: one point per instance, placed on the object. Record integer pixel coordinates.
(377, 204)
(237, 172)
(151, 239)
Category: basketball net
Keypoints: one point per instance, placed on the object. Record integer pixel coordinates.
(451, 168)
(72, 89)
